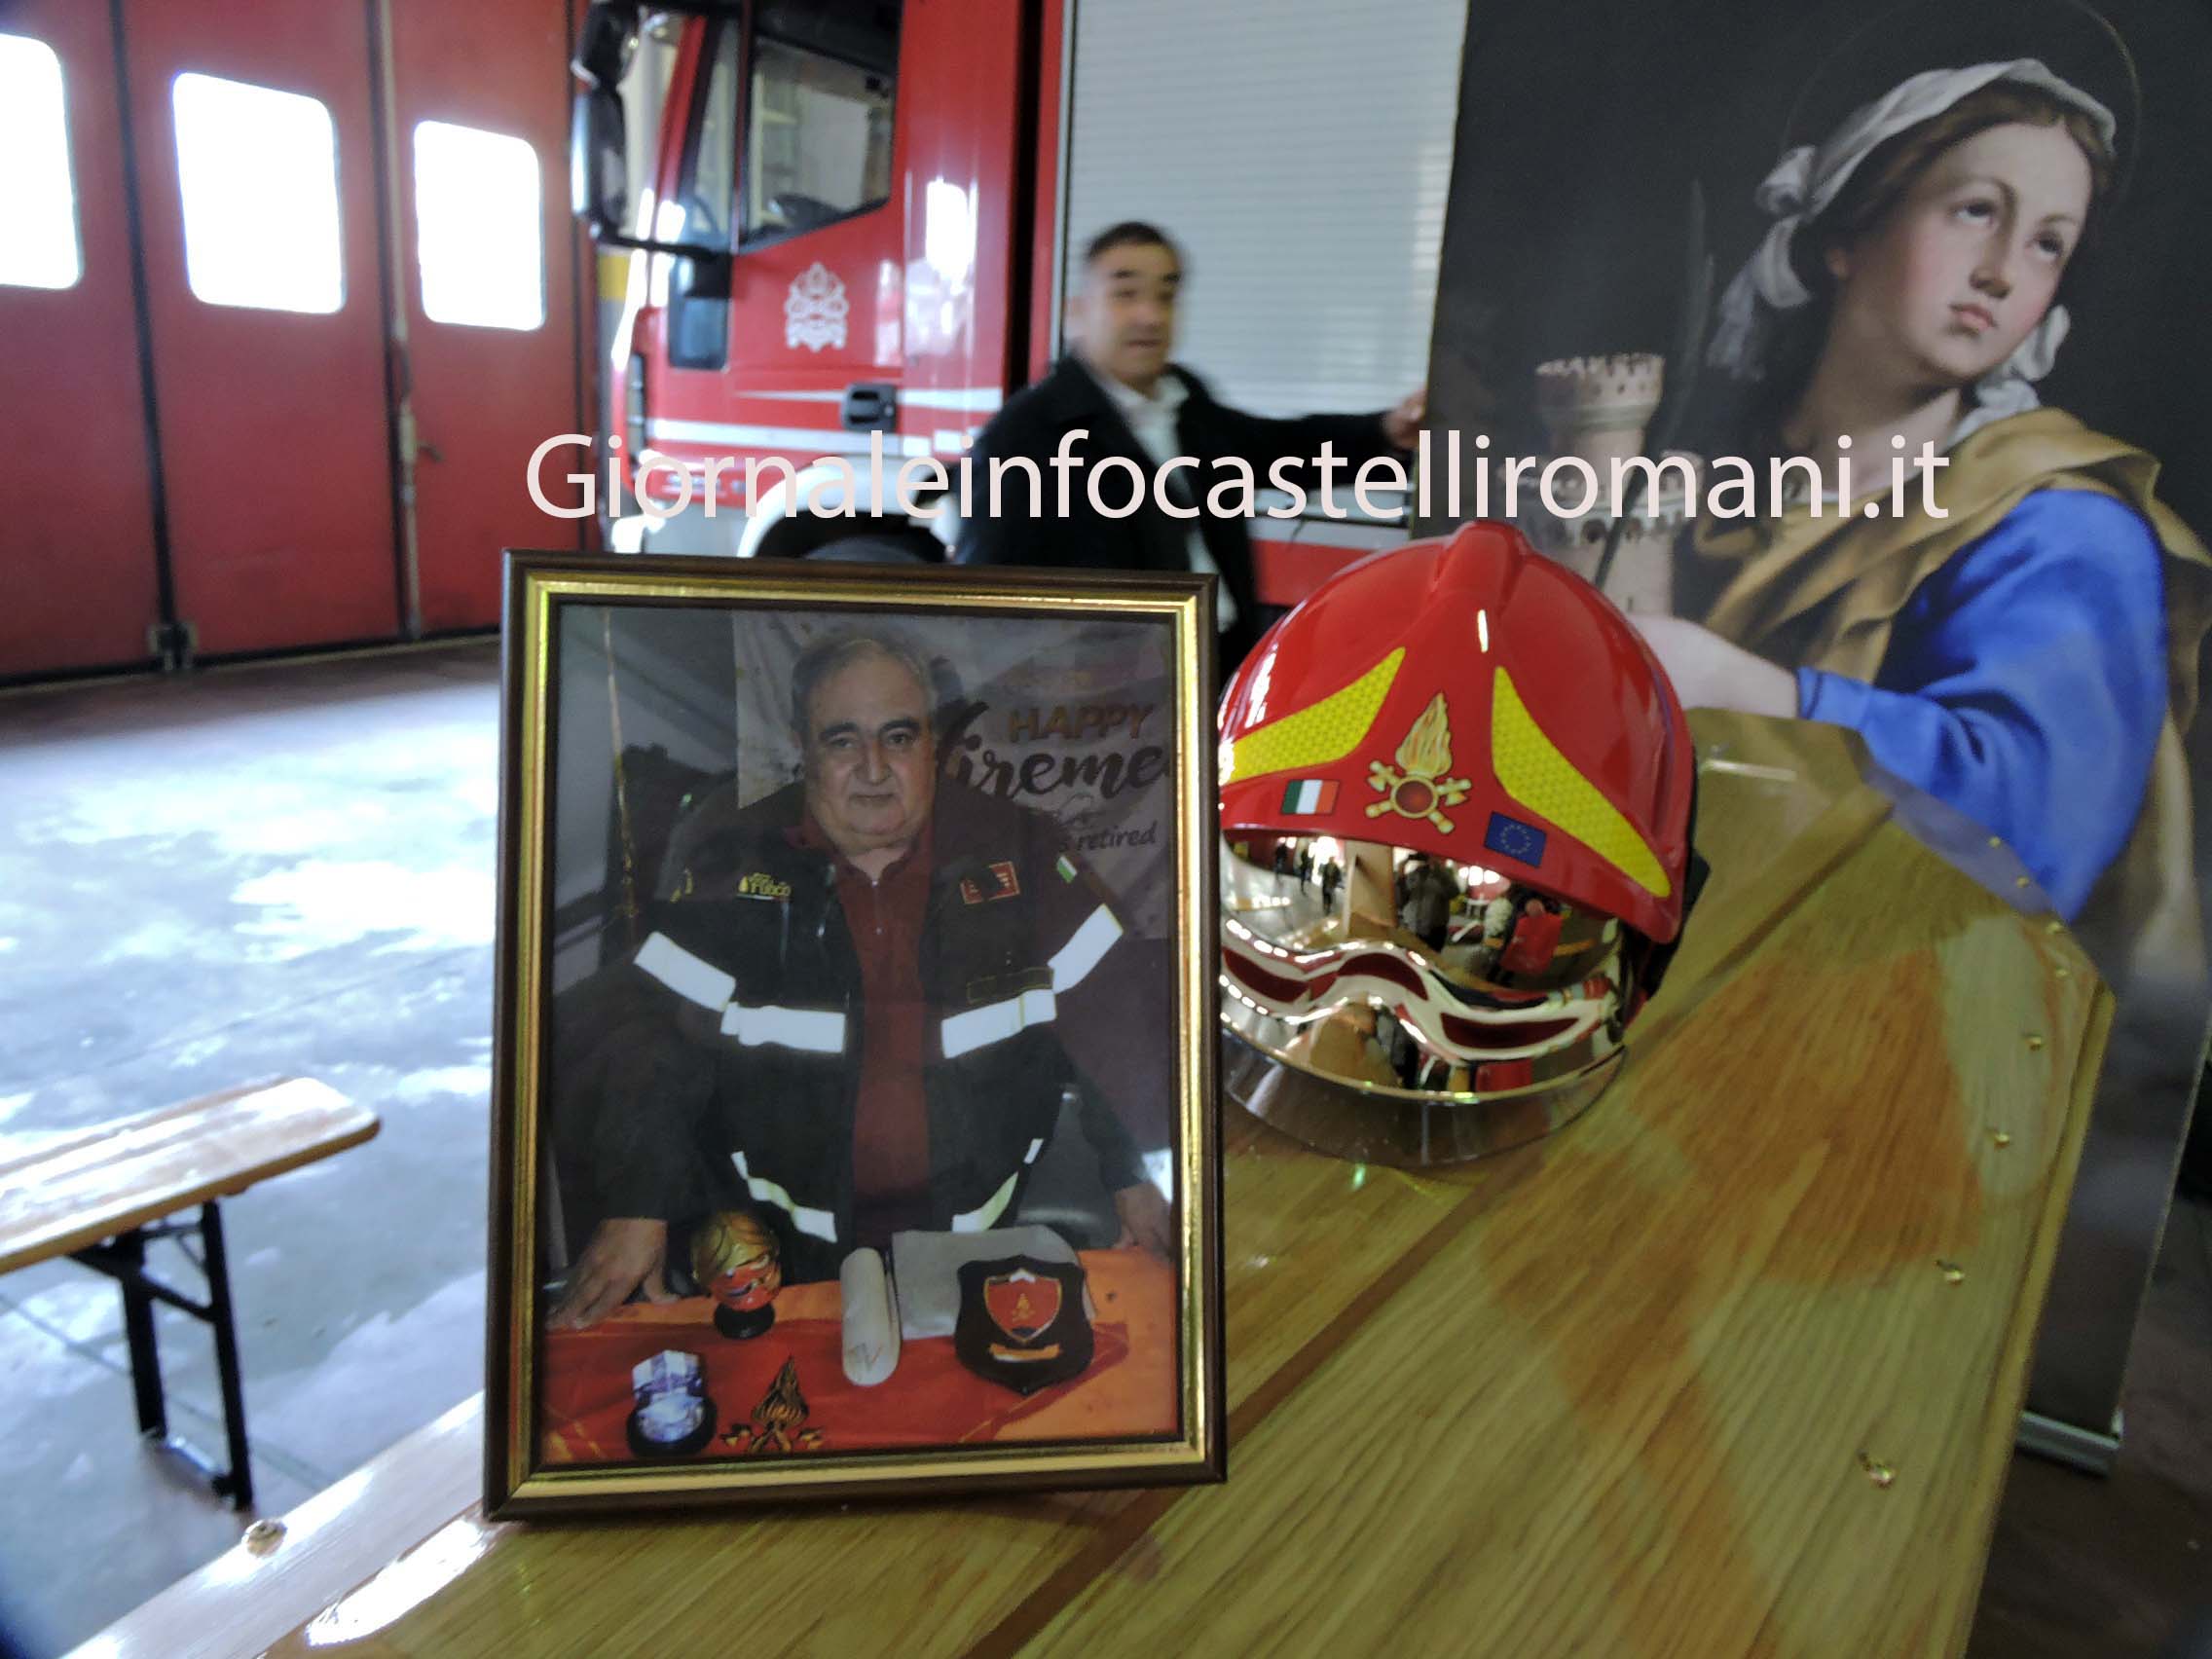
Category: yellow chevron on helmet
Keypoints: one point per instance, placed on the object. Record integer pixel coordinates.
(1317, 734)
(1531, 770)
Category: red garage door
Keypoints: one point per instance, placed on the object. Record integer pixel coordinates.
(274, 267)
(258, 178)
(490, 263)
(79, 583)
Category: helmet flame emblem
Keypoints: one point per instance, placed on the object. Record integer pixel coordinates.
(1420, 788)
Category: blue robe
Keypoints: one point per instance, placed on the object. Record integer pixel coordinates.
(2024, 685)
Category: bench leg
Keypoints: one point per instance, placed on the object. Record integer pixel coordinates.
(138, 1330)
(238, 1484)
(124, 1260)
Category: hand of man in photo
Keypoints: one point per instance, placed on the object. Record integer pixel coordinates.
(625, 1252)
(1146, 1220)
(1402, 424)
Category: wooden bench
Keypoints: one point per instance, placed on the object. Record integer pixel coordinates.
(102, 1195)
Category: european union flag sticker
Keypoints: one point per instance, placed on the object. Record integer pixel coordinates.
(1514, 838)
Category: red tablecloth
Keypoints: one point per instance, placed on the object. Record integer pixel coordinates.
(932, 1399)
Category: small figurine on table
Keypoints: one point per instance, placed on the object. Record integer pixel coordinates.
(734, 1259)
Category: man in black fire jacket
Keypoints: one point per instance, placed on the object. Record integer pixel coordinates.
(846, 1011)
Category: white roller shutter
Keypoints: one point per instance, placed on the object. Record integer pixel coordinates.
(1300, 150)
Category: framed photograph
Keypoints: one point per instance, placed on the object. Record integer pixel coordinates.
(853, 1125)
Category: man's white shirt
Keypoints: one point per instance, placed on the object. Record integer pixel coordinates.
(1152, 419)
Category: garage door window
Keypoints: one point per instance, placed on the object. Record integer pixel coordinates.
(258, 172)
(478, 240)
(39, 247)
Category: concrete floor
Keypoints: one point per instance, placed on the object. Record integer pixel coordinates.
(290, 870)
(247, 873)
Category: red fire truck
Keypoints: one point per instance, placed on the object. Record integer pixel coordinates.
(853, 223)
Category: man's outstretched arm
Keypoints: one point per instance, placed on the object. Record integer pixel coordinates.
(1262, 441)
(630, 1101)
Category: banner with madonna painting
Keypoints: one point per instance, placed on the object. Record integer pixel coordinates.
(1964, 233)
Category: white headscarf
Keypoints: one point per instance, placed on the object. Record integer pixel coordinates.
(1808, 178)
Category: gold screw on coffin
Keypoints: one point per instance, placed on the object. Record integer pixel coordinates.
(2034, 1043)
(2020, 881)
(1880, 1473)
(1999, 1138)
(2062, 971)
(1952, 1272)
(1997, 840)
(263, 1536)
(2054, 927)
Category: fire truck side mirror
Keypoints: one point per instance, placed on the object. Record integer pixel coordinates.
(599, 187)
(599, 176)
(605, 44)
(599, 190)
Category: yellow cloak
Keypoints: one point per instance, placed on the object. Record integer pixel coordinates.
(1825, 592)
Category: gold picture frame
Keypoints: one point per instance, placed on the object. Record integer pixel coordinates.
(788, 852)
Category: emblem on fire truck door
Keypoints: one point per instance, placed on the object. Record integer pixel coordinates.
(815, 309)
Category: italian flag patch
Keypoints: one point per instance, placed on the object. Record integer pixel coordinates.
(1308, 795)
(1066, 867)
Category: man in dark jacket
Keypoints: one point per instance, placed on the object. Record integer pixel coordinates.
(1117, 397)
(845, 1014)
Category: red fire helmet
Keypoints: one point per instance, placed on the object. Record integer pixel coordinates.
(1490, 774)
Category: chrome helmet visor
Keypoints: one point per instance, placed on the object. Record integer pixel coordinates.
(1382, 974)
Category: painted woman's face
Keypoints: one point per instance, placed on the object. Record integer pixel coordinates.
(1946, 286)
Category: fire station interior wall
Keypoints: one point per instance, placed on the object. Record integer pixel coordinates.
(1314, 225)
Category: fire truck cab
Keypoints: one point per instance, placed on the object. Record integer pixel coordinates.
(851, 225)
